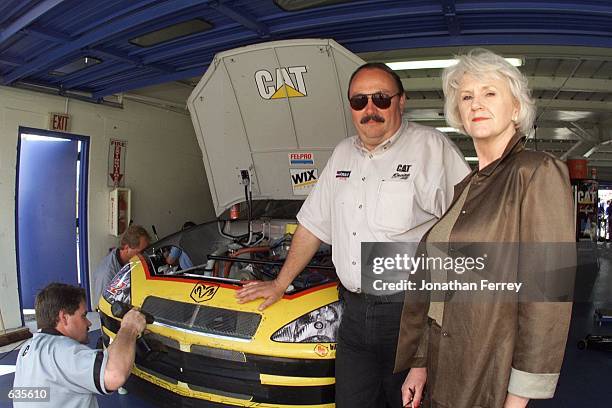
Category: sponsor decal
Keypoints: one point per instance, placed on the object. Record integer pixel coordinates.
(404, 168)
(117, 287)
(343, 174)
(321, 350)
(287, 82)
(302, 180)
(402, 172)
(586, 197)
(201, 293)
(302, 158)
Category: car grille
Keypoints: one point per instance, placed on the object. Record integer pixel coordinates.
(222, 354)
(203, 319)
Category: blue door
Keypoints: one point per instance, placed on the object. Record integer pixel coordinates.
(46, 213)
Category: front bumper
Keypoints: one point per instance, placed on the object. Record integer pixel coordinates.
(230, 377)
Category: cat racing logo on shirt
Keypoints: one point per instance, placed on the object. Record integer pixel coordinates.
(402, 172)
(286, 83)
(201, 293)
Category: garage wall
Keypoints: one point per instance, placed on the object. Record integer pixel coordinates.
(163, 168)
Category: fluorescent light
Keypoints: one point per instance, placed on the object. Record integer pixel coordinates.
(172, 32)
(447, 129)
(442, 63)
(38, 138)
(76, 65)
(471, 159)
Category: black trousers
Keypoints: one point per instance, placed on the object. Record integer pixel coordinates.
(365, 357)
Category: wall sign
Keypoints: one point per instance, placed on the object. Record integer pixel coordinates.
(59, 121)
(116, 163)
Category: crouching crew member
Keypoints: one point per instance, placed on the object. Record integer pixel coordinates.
(57, 356)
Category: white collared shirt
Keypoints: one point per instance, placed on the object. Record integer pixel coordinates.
(393, 193)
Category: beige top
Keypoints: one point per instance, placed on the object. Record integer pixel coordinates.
(440, 234)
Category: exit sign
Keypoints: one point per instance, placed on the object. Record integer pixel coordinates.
(58, 121)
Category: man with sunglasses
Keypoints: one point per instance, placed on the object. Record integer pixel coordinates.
(387, 184)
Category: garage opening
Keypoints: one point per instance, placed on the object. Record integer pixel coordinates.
(51, 222)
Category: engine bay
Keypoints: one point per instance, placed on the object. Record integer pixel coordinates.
(238, 251)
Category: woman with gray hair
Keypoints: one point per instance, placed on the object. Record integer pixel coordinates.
(476, 351)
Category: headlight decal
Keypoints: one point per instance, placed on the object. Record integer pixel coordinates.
(319, 326)
(120, 288)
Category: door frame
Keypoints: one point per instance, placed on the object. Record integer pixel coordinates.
(82, 206)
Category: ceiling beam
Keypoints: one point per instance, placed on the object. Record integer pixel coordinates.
(121, 56)
(55, 57)
(579, 149)
(130, 7)
(535, 83)
(14, 61)
(106, 66)
(92, 75)
(450, 16)
(154, 80)
(240, 17)
(28, 18)
(544, 7)
(186, 47)
(46, 34)
(576, 129)
(509, 37)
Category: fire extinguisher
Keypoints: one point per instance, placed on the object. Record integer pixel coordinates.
(235, 212)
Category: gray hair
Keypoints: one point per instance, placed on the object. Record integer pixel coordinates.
(481, 62)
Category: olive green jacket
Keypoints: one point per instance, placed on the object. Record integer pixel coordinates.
(483, 350)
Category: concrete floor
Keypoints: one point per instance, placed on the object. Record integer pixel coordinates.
(585, 377)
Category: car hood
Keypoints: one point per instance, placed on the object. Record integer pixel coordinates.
(269, 116)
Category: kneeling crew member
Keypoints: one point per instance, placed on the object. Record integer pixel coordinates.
(57, 356)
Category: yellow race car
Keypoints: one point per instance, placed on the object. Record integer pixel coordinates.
(207, 349)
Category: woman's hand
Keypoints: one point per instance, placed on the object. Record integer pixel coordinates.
(412, 389)
(514, 401)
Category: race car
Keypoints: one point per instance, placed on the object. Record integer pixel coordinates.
(204, 345)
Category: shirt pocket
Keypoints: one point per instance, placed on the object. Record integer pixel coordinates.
(394, 205)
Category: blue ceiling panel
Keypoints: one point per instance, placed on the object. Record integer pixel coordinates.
(38, 36)
(11, 9)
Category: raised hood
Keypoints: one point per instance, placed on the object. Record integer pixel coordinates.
(275, 110)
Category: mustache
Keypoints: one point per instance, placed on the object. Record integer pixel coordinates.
(374, 117)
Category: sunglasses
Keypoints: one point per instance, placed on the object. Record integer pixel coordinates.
(381, 100)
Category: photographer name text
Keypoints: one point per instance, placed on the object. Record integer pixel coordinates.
(454, 285)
